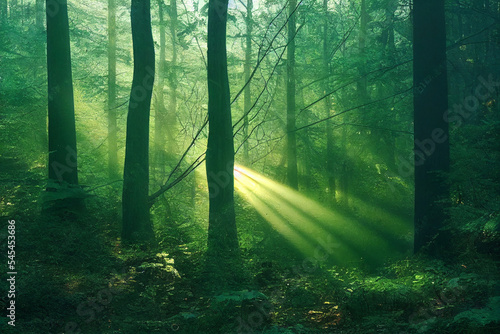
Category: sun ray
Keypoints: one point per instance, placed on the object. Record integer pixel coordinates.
(306, 224)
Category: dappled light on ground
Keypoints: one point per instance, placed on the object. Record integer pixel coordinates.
(333, 236)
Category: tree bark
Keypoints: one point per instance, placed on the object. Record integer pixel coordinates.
(112, 130)
(136, 221)
(292, 178)
(223, 246)
(61, 110)
(432, 155)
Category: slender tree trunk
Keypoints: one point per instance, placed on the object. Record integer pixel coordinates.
(62, 133)
(362, 83)
(387, 36)
(39, 70)
(136, 221)
(497, 33)
(292, 178)
(330, 164)
(248, 90)
(304, 169)
(112, 130)
(431, 130)
(223, 248)
(345, 171)
(159, 129)
(40, 13)
(3, 11)
(387, 139)
(13, 8)
(172, 110)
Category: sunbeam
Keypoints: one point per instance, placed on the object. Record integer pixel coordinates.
(308, 226)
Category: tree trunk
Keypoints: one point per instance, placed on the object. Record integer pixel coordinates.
(172, 110)
(38, 71)
(330, 165)
(3, 11)
(39, 14)
(223, 248)
(292, 178)
(62, 133)
(345, 171)
(159, 129)
(248, 91)
(13, 8)
(112, 131)
(362, 83)
(431, 130)
(136, 221)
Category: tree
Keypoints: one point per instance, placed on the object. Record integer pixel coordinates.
(362, 83)
(3, 11)
(61, 110)
(136, 221)
(223, 247)
(112, 131)
(248, 90)
(13, 10)
(159, 130)
(292, 178)
(172, 110)
(39, 13)
(330, 165)
(432, 155)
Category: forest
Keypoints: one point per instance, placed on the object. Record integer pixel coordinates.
(250, 166)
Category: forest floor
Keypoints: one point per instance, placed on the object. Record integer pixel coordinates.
(75, 276)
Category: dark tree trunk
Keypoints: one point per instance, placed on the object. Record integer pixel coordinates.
(431, 131)
(292, 179)
(223, 248)
(136, 221)
(112, 131)
(248, 90)
(62, 134)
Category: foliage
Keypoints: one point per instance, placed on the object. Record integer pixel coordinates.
(73, 261)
